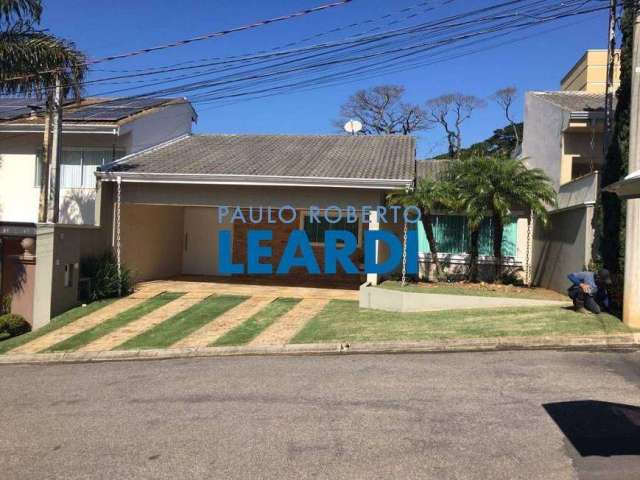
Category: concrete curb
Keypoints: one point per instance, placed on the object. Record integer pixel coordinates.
(629, 341)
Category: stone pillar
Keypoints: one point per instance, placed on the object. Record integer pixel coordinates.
(374, 224)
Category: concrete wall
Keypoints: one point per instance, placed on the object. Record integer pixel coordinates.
(152, 240)
(562, 248)
(18, 277)
(542, 140)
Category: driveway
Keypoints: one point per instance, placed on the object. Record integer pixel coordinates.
(517, 415)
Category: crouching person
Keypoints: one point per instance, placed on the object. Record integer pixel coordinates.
(589, 291)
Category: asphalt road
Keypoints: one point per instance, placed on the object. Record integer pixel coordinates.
(511, 415)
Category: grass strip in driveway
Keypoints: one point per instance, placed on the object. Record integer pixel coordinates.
(57, 322)
(252, 327)
(184, 323)
(120, 320)
(342, 320)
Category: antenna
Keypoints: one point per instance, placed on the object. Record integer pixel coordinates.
(352, 127)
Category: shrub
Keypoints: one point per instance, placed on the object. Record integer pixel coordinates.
(12, 325)
(102, 270)
(5, 304)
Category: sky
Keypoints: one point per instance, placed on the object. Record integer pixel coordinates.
(103, 27)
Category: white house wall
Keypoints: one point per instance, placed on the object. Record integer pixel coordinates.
(152, 129)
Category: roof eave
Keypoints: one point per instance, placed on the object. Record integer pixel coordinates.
(254, 180)
(109, 129)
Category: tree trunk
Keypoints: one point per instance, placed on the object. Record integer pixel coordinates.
(427, 223)
(473, 255)
(497, 247)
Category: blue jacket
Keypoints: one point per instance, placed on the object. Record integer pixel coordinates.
(589, 278)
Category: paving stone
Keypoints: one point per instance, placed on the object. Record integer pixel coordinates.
(210, 332)
(290, 323)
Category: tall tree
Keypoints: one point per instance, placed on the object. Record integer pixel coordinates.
(492, 187)
(382, 111)
(450, 111)
(30, 61)
(501, 144)
(505, 97)
(610, 215)
(430, 194)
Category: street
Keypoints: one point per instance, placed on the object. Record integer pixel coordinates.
(504, 415)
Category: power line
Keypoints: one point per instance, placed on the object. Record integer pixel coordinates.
(198, 38)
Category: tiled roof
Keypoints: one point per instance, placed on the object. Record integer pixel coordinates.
(87, 110)
(574, 101)
(328, 156)
(433, 168)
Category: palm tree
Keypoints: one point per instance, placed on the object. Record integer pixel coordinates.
(30, 62)
(491, 187)
(430, 194)
(30, 59)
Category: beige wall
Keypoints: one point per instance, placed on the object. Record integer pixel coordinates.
(580, 149)
(152, 240)
(589, 74)
(563, 248)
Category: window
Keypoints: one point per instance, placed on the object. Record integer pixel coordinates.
(78, 166)
(315, 230)
(68, 275)
(452, 236)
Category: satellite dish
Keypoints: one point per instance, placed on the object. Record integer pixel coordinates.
(352, 127)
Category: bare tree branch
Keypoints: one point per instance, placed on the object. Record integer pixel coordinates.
(450, 111)
(505, 97)
(382, 112)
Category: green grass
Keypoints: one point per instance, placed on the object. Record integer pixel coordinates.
(57, 322)
(482, 290)
(120, 320)
(252, 327)
(342, 320)
(184, 323)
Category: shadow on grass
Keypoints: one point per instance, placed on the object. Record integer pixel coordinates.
(598, 428)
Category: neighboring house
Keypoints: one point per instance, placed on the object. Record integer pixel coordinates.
(95, 132)
(563, 135)
(452, 236)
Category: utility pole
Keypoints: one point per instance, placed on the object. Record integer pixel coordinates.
(53, 203)
(631, 307)
(611, 61)
(44, 161)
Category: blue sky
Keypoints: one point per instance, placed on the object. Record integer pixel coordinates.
(102, 27)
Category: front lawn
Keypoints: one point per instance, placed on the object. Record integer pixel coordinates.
(57, 322)
(476, 289)
(342, 320)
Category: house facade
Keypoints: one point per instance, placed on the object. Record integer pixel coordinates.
(564, 135)
(94, 132)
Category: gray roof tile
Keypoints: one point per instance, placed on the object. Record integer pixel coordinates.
(327, 156)
(574, 101)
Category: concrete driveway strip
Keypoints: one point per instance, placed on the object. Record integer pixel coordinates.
(290, 323)
(462, 416)
(135, 328)
(224, 323)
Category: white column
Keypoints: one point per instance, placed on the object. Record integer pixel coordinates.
(374, 224)
(631, 307)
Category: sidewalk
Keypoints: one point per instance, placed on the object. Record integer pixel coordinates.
(625, 341)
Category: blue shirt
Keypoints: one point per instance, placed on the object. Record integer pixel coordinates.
(589, 278)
